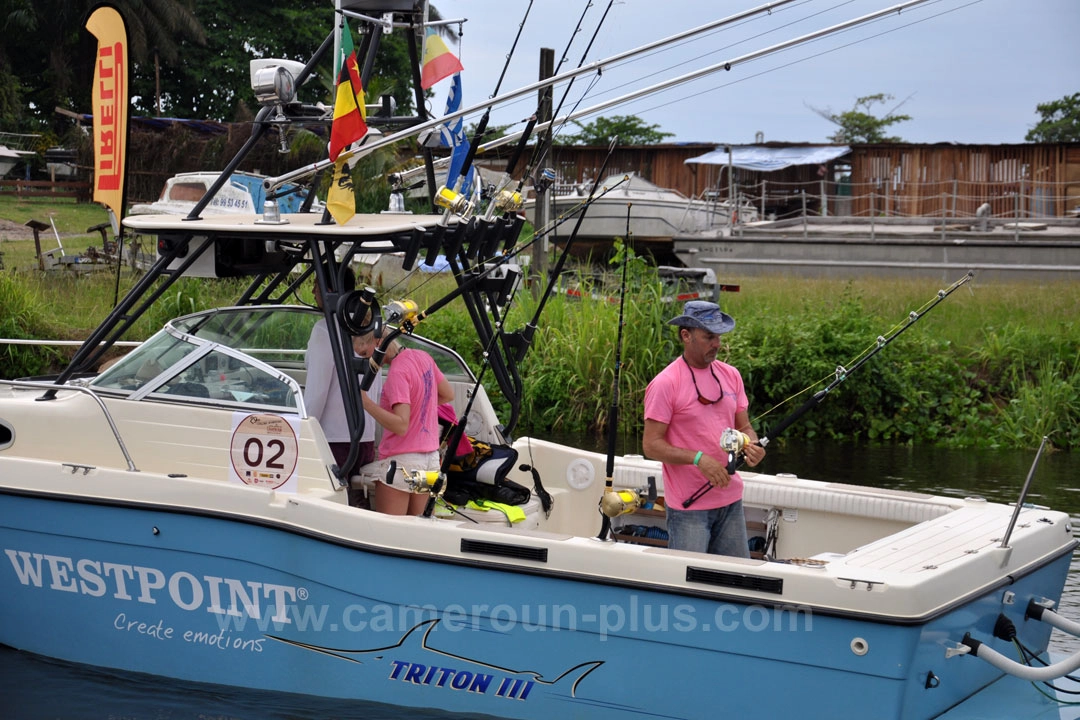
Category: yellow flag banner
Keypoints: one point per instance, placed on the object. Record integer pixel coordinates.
(110, 107)
(341, 198)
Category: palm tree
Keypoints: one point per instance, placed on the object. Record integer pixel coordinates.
(58, 77)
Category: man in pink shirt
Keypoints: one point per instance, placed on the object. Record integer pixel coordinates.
(687, 407)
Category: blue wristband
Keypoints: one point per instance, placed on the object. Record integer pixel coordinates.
(697, 458)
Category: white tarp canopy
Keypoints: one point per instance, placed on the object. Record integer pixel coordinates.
(767, 159)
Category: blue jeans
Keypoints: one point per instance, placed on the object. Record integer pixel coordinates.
(720, 531)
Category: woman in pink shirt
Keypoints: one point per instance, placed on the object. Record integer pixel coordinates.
(408, 405)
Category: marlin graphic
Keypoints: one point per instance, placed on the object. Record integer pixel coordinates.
(516, 684)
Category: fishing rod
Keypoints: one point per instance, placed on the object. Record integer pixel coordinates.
(652, 89)
(481, 127)
(542, 148)
(613, 503)
(596, 66)
(733, 441)
(530, 328)
(501, 200)
(449, 197)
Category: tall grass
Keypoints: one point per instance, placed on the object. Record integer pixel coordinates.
(995, 365)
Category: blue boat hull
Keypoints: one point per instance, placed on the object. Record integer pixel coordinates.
(223, 600)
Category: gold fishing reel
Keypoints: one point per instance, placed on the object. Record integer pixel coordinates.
(399, 311)
(455, 202)
(733, 441)
(421, 480)
(509, 201)
(625, 501)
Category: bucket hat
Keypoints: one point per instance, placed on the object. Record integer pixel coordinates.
(704, 315)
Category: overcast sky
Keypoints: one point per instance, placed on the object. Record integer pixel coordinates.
(965, 71)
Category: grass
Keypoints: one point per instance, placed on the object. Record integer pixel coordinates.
(70, 216)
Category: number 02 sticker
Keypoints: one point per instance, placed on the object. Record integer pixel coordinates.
(263, 451)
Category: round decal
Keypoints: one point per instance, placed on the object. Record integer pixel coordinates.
(264, 450)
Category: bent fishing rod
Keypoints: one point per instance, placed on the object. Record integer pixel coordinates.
(734, 441)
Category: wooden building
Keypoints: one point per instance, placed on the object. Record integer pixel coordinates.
(896, 180)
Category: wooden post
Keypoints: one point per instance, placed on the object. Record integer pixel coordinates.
(802, 191)
(944, 197)
(37, 226)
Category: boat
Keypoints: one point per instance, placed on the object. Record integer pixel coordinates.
(14, 148)
(243, 193)
(656, 216)
(180, 513)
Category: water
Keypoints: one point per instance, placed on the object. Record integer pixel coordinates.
(33, 688)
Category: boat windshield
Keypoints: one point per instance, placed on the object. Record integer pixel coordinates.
(241, 355)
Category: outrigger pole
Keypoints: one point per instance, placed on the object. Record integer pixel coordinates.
(735, 461)
(613, 410)
(270, 184)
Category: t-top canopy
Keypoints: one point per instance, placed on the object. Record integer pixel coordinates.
(767, 159)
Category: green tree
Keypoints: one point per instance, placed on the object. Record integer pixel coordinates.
(193, 53)
(1060, 121)
(630, 130)
(858, 125)
(46, 50)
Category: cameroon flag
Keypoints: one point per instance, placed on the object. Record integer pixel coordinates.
(349, 107)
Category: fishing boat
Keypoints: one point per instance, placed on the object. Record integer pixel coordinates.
(243, 193)
(656, 216)
(180, 513)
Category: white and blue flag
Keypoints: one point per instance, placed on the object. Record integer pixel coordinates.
(453, 135)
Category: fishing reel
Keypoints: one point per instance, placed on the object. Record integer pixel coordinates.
(421, 481)
(622, 502)
(509, 201)
(544, 180)
(398, 312)
(455, 202)
(733, 441)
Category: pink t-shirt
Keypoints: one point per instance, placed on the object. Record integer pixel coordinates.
(671, 399)
(413, 379)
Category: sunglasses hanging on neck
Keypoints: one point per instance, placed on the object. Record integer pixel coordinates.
(701, 398)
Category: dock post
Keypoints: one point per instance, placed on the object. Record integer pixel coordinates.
(871, 216)
(944, 199)
(803, 193)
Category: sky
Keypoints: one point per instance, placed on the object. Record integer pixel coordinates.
(966, 71)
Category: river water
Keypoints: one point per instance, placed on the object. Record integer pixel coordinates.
(35, 688)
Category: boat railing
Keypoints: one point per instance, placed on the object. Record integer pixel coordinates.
(47, 386)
